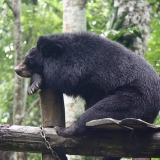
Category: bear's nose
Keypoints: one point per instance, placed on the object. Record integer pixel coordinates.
(17, 70)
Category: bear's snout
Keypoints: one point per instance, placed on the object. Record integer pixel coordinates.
(22, 70)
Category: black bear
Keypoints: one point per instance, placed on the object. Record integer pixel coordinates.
(113, 81)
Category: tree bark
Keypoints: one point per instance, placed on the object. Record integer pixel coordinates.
(18, 109)
(18, 106)
(138, 13)
(74, 20)
(74, 15)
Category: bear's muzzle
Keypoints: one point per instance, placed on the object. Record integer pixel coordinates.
(22, 70)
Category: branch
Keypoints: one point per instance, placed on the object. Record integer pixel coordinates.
(106, 137)
(9, 6)
(29, 36)
(35, 117)
(30, 108)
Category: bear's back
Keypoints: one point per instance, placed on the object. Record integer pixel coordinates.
(107, 64)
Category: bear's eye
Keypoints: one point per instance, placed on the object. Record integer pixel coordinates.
(30, 62)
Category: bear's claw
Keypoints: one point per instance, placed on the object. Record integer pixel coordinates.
(32, 89)
(71, 131)
(36, 82)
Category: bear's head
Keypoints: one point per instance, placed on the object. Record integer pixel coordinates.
(34, 60)
(30, 64)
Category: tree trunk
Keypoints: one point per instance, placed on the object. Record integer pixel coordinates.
(138, 14)
(74, 15)
(18, 106)
(74, 20)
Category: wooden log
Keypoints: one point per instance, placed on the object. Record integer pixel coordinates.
(141, 158)
(103, 141)
(52, 108)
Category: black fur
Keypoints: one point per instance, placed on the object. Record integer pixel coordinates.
(114, 81)
(35, 83)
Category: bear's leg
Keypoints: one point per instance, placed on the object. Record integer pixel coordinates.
(118, 106)
(35, 83)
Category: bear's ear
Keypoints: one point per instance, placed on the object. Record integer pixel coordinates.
(48, 48)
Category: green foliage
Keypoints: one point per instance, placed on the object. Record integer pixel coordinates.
(6, 67)
(41, 17)
(116, 35)
(153, 52)
(97, 15)
(44, 17)
(107, 23)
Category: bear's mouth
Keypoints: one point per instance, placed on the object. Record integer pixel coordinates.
(24, 74)
(22, 70)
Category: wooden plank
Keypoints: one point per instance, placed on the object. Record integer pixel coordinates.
(138, 124)
(107, 124)
(123, 125)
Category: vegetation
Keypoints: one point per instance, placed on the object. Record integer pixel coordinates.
(45, 17)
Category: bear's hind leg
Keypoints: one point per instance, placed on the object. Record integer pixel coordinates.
(118, 106)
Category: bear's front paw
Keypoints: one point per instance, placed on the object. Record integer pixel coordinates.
(33, 88)
(72, 131)
(36, 82)
(64, 132)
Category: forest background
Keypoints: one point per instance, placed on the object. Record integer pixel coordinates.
(41, 17)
